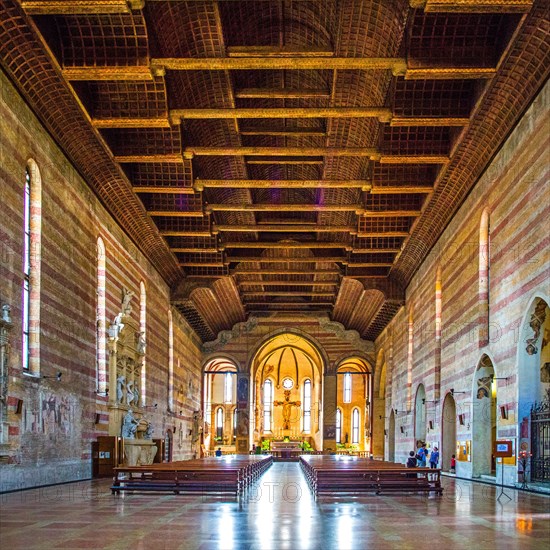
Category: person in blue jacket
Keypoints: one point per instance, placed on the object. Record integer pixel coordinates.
(434, 458)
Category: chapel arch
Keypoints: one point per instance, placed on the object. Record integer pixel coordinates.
(220, 403)
(533, 373)
(484, 418)
(288, 359)
(448, 431)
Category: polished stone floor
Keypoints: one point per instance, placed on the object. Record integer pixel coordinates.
(279, 513)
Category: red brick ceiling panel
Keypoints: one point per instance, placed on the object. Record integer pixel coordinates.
(227, 293)
(101, 40)
(465, 39)
(377, 242)
(381, 319)
(24, 60)
(189, 310)
(411, 140)
(210, 309)
(525, 68)
(304, 23)
(382, 203)
(445, 98)
(143, 141)
(164, 175)
(365, 309)
(124, 99)
(360, 88)
(397, 174)
(348, 296)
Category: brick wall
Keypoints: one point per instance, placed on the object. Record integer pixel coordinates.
(57, 420)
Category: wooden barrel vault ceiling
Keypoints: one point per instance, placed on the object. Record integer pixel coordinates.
(285, 155)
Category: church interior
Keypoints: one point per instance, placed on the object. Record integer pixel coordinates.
(257, 254)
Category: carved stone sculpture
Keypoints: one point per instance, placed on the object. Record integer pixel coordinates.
(120, 381)
(129, 425)
(6, 310)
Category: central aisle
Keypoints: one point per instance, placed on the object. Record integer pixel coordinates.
(278, 513)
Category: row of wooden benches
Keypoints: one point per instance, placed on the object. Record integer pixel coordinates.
(207, 475)
(333, 474)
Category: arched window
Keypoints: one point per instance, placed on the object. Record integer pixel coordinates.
(307, 406)
(268, 405)
(219, 423)
(338, 426)
(30, 299)
(101, 320)
(170, 362)
(484, 274)
(143, 335)
(437, 355)
(355, 426)
(347, 387)
(228, 387)
(235, 420)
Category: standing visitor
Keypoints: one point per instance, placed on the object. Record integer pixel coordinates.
(434, 458)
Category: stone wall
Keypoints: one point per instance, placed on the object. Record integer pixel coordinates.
(515, 193)
(51, 424)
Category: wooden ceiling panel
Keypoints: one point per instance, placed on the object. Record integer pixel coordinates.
(171, 102)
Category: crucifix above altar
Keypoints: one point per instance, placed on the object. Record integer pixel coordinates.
(287, 405)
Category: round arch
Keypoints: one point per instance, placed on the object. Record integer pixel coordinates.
(448, 431)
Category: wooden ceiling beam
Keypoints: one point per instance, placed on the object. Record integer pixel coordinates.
(369, 152)
(77, 7)
(163, 189)
(170, 158)
(382, 234)
(391, 213)
(125, 122)
(187, 234)
(319, 61)
(259, 282)
(291, 260)
(286, 293)
(111, 72)
(200, 184)
(473, 6)
(400, 189)
(298, 161)
(274, 228)
(285, 245)
(290, 132)
(281, 93)
(429, 121)
(278, 51)
(449, 73)
(381, 113)
(298, 305)
(194, 250)
(201, 264)
(284, 208)
(175, 213)
(375, 250)
(369, 264)
(267, 271)
(414, 159)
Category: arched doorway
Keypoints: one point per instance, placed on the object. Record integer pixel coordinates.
(534, 387)
(220, 402)
(391, 438)
(448, 428)
(287, 389)
(484, 418)
(420, 416)
(353, 399)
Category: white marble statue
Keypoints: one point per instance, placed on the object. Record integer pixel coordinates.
(120, 381)
(129, 425)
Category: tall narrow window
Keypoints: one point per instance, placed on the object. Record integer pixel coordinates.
(307, 406)
(484, 274)
(268, 405)
(30, 299)
(228, 387)
(142, 336)
(219, 423)
(355, 426)
(170, 362)
(101, 320)
(235, 419)
(347, 387)
(338, 426)
(26, 269)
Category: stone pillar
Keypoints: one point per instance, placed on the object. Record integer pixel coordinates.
(378, 438)
(329, 413)
(242, 442)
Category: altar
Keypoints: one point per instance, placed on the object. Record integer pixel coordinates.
(286, 450)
